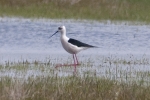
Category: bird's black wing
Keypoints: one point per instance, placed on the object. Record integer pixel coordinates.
(78, 43)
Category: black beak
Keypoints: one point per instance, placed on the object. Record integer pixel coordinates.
(53, 34)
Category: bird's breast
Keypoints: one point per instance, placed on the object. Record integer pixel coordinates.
(69, 47)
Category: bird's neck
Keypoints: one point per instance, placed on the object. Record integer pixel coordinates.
(63, 34)
(64, 37)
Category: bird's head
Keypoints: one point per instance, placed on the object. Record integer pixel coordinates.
(61, 29)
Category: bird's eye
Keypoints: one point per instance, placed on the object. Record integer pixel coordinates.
(59, 28)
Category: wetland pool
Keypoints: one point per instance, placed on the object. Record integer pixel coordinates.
(123, 47)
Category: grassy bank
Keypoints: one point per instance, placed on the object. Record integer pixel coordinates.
(72, 87)
(24, 80)
(132, 10)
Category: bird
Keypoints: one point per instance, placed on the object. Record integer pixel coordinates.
(71, 45)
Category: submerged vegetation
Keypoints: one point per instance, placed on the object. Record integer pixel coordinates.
(132, 10)
(37, 80)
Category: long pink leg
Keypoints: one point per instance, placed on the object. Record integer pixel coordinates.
(74, 63)
(76, 59)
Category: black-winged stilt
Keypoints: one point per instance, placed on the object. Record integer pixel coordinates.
(71, 45)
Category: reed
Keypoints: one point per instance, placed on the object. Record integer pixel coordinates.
(44, 83)
(131, 10)
(71, 87)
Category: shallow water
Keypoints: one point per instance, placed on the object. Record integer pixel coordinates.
(28, 39)
(32, 35)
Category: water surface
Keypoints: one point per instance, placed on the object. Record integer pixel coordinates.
(18, 35)
(28, 39)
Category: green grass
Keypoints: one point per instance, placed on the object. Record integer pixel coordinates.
(71, 87)
(131, 10)
(45, 82)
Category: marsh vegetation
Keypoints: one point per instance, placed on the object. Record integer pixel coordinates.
(42, 81)
(101, 78)
(131, 10)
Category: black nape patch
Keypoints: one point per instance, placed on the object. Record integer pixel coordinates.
(78, 43)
